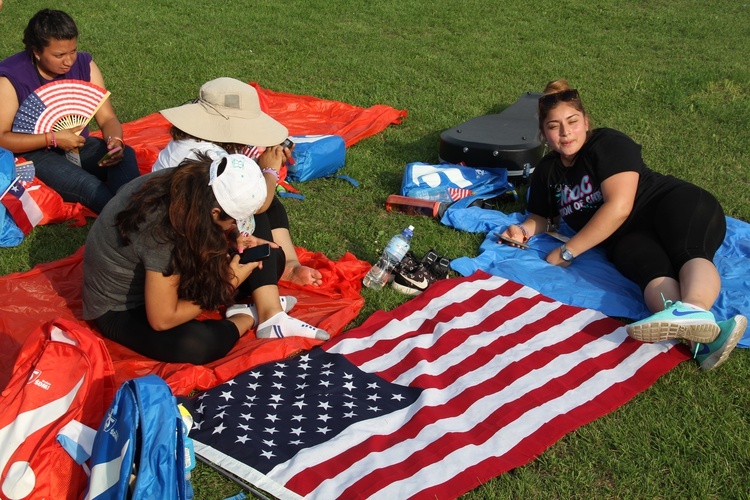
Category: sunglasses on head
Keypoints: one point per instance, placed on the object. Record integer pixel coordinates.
(562, 96)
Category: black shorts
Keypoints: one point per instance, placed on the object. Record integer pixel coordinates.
(686, 223)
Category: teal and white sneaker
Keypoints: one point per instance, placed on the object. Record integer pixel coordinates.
(676, 321)
(711, 355)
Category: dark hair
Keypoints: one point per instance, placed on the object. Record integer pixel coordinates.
(46, 25)
(230, 147)
(546, 105)
(183, 201)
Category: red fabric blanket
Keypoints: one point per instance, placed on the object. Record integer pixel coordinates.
(301, 114)
(53, 290)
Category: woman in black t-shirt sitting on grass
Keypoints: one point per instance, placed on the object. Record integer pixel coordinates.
(659, 231)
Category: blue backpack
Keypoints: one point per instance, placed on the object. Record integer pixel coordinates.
(142, 435)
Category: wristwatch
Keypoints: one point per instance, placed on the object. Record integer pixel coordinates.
(566, 255)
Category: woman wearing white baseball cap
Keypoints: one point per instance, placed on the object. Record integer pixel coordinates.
(158, 256)
(227, 118)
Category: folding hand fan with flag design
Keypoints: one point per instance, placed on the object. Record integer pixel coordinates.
(59, 105)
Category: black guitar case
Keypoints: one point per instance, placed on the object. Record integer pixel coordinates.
(508, 140)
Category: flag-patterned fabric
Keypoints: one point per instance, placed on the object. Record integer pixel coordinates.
(458, 193)
(22, 207)
(58, 105)
(252, 152)
(25, 170)
(474, 377)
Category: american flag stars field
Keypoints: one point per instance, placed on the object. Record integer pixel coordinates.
(287, 406)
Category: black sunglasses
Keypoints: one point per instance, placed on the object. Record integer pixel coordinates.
(562, 96)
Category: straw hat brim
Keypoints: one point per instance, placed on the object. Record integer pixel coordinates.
(207, 124)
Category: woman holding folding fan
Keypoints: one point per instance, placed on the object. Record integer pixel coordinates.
(659, 231)
(81, 168)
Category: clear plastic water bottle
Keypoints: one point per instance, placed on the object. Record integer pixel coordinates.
(393, 252)
(439, 193)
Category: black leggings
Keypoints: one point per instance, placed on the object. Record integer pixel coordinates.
(273, 266)
(685, 224)
(197, 342)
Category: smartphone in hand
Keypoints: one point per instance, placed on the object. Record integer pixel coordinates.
(511, 241)
(256, 253)
(110, 153)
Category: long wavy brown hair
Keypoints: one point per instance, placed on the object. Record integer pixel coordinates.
(184, 201)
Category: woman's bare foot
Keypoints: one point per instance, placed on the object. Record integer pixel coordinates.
(302, 275)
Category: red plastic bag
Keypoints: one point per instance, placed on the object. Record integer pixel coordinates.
(53, 207)
(53, 290)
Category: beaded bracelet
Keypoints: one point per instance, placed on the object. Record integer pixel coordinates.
(46, 141)
(525, 234)
(54, 141)
(272, 172)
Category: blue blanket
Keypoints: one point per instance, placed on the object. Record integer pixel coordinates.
(593, 282)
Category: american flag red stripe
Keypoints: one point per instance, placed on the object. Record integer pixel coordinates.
(458, 193)
(67, 98)
(58, 105)
(252, 152)
(502, 372)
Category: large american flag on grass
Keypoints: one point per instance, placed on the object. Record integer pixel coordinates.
(472, 378)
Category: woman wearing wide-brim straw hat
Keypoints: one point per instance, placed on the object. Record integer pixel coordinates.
(227, 117)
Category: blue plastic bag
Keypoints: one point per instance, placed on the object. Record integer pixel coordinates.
(420, 178)
(316, 156)
(10, 234)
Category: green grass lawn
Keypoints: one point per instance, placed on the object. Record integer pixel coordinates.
(673, 74)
